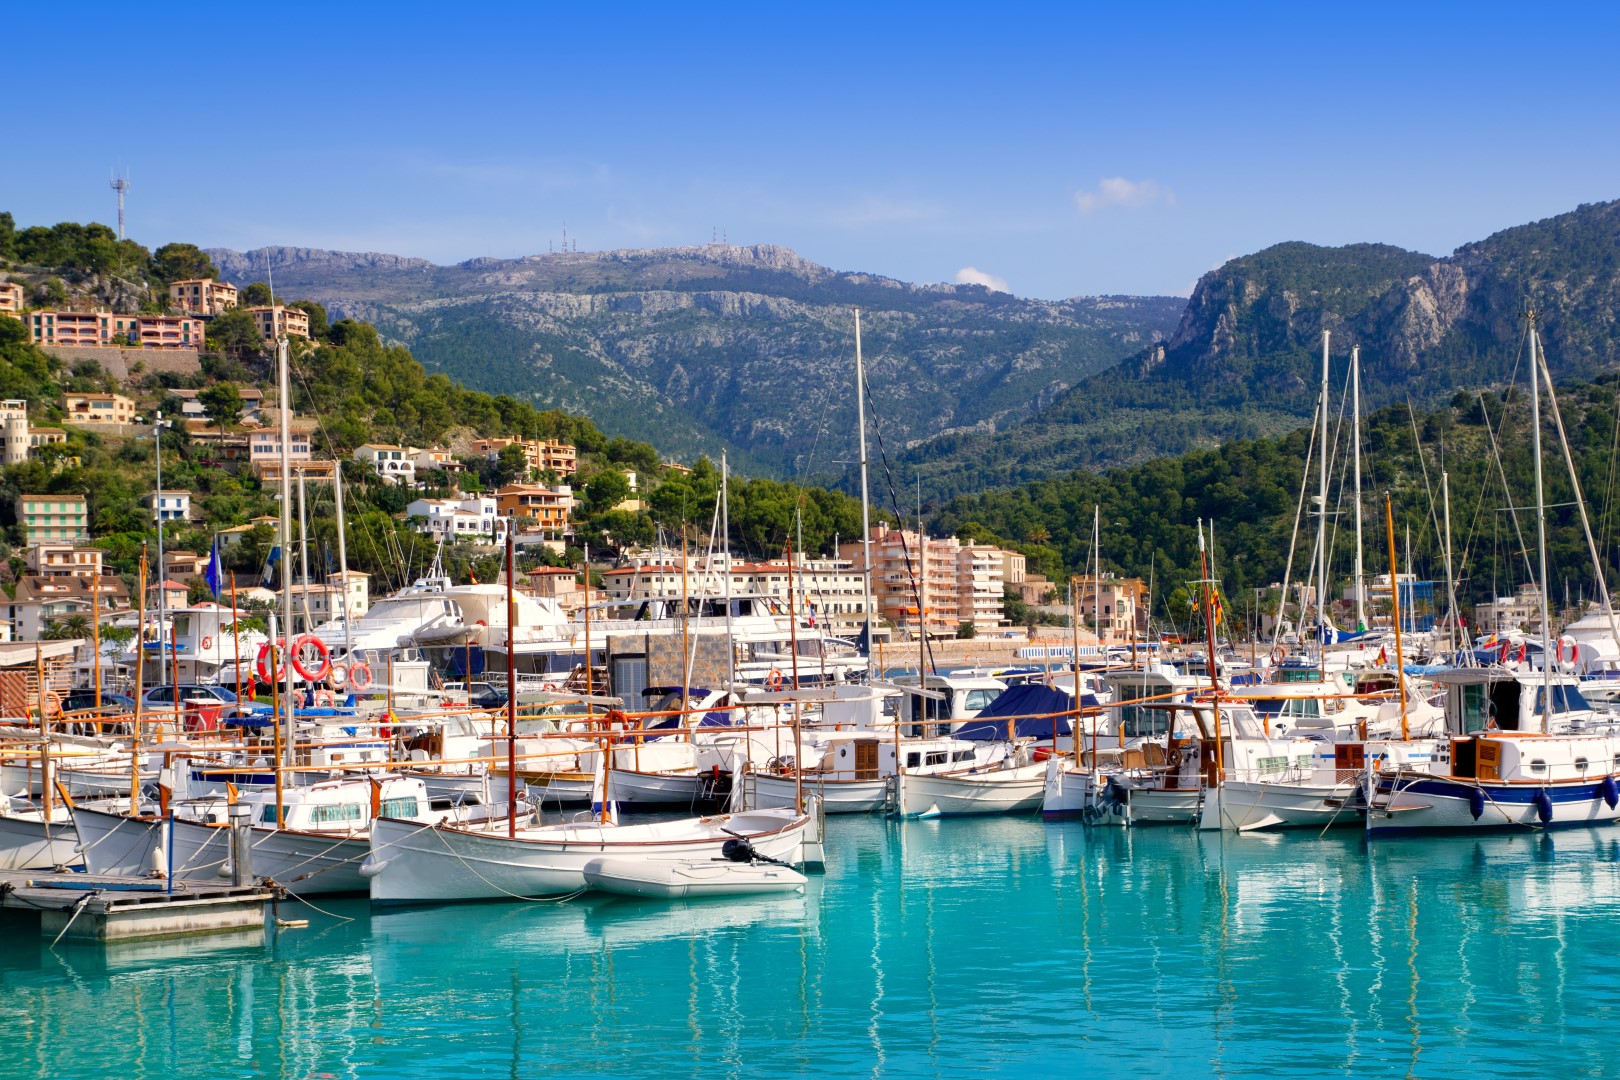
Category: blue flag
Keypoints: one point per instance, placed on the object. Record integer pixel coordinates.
(212, 575)
(270, 565)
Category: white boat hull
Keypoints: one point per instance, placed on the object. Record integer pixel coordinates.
(838, 796)
(1417, 803)
(1111, 799)
(116, 844)
(413, 863)
(1248, 805)
(655, 789)
(690, 878)
(27, 843)
(997, 791)
(305, 863)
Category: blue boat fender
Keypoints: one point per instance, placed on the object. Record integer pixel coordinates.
(1543, 806)
(1610, 791)
(1476, 803)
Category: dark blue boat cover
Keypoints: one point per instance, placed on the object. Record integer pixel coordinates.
(1023, 700)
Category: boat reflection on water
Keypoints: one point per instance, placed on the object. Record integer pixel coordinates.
(1000, 945)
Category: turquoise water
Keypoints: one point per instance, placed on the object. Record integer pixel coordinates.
(950, 948)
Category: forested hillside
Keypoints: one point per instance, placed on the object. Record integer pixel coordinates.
(750, 348)
(1251, 488)
(358, 389)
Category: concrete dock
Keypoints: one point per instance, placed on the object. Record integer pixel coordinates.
(90, 907)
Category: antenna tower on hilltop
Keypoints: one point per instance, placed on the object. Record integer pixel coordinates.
(120, 184)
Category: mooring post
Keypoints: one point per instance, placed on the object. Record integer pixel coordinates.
(241, 818)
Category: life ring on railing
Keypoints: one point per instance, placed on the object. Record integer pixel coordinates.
(207, 643)
(324, 699)
(52, 703)
(337, 676)
(1574, 651)
(774, 679)
(360, 676)
(306, 642)
(614, 716)
(281, 662)
(1278, 655)
(549, 687)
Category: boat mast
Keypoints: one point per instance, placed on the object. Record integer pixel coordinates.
(343, 564)
(725, 528)
(1355, 442)
(1395, 600)
(1451, 581)
(511, 682)
(1541, 529)
(866, 520)
(284, 528)
(1321, 521)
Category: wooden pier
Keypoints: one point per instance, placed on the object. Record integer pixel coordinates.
(91, 907)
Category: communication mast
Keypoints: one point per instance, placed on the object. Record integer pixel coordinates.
(120, 184)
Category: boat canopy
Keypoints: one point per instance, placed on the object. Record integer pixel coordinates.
(1027, 700)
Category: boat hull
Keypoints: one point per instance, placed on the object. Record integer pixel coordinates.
(668, 879)
(1245, 806)
(998, 791)
(655, 789)
(116, 844)
(27, 843)
(838, 796)
(412, 863)
(305, 863)
(1408, 804)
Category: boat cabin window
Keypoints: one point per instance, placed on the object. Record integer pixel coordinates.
(1137, 722)
(1538, 766)
(402, 807)
(937, 757)
(914, 759)
(1294, 675)
(267, 815)
(337, 813)
(974, 700)
(962, 755)
(1475, 707)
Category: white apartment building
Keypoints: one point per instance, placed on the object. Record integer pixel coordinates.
(395, 464)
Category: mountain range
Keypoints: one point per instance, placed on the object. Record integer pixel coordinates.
(1245, 358)
(747, 348)
(750, 348)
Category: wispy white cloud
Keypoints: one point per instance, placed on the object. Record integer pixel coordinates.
(971, 276)
(879, 210)
(1118, 191)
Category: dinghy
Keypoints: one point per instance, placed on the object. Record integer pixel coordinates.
(674, 879)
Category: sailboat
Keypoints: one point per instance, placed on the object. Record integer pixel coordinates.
(1515, 755)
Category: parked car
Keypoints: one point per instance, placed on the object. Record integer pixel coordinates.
(159, 698)
(85, 700)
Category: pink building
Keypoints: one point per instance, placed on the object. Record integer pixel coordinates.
(202, 296)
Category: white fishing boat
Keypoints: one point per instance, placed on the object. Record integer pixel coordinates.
(1011, 790)
(415, 863)
(674, 879)
(851, 771)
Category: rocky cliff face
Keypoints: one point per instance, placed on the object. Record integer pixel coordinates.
(748, 347)
(1245, 358)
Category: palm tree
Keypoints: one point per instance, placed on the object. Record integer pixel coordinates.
(66, 627)
(1039, 534)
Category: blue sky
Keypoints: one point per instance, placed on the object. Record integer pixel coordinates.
(1055, 150)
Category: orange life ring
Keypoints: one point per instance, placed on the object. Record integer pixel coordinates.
(324, 699)
(1279, 654)
(774, 679)
(360, 676)
(207, 643)
(310, 641)
(280, 661)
